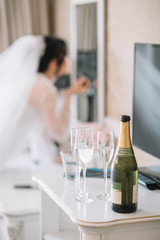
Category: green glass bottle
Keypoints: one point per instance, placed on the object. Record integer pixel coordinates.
(124, 173)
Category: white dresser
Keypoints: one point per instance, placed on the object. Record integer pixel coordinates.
(95, 220)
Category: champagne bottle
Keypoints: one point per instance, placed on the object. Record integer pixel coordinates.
(124, 173)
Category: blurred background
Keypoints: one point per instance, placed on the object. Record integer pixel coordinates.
(126, 22)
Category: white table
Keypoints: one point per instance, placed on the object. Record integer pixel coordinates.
(95, 220)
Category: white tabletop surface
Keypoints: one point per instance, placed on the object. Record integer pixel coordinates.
(97, 213)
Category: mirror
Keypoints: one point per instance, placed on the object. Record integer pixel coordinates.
(87, 60)
(87, 56)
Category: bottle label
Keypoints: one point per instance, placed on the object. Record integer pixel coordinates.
(126, 191)
(125, 152)
(135, 194)
(116, 193)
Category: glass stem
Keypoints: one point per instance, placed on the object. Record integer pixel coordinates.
(84, 181)
(79, 178)
(105, 179)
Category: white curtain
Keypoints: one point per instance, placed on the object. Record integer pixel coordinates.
(21, 17)
(87, 27)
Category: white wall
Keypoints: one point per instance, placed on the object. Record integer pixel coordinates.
(128, 21)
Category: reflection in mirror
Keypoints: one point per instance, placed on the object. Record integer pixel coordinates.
(87, 59)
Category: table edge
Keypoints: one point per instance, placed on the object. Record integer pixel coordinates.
(58, 201)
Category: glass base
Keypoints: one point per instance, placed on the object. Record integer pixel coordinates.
(103, 197)
(81, 197)
(86, 198)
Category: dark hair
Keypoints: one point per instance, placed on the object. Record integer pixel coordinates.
(55, 49)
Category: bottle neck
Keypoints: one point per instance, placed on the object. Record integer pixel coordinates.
(124, 139)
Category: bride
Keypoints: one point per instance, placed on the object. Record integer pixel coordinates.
(32, 115)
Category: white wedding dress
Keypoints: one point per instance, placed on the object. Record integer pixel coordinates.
(45, 118)
(32, 114)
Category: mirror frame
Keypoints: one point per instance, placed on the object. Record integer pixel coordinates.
(100, 51)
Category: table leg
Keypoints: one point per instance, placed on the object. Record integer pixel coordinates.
(49, 215)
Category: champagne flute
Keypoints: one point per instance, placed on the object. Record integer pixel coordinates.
(76, 159)
(85, 150)
(105, 145)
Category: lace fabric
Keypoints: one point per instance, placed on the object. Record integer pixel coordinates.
(53, 110)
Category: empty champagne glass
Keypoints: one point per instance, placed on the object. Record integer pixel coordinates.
(105, 145)
(85, 151)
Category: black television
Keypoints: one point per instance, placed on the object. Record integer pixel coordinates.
(146, 101)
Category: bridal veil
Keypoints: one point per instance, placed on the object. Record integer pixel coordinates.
(18, 69)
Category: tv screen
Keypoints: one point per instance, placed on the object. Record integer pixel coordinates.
(146, 98)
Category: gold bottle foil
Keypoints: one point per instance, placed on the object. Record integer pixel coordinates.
(124, 140)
